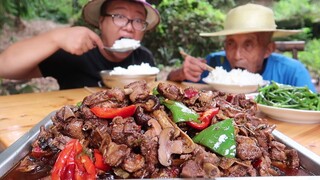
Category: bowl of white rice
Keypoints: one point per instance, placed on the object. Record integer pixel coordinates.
(236, 81)
(119, 77)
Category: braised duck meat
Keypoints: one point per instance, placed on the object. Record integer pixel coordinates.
(131, 133)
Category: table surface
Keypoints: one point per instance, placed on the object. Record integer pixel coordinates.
(19, 113)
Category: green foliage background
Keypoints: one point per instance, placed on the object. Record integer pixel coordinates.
(180, 28)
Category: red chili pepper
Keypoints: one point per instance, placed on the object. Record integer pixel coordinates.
(99, 163)
(60, 165)
(69, 172)
(73, 163)
(205, 119)
(89, 166)
(113, 112)
(70, 165)
(80, 170)
(78, 147)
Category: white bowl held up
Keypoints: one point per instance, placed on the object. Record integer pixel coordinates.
(120, 81)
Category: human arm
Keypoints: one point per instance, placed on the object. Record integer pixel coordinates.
(20, 60)
(191, 70)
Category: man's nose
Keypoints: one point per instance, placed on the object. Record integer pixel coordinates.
(238, 53)
(129, 25)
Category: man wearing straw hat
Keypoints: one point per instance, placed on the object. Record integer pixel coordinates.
(76, 55)
(248, 32)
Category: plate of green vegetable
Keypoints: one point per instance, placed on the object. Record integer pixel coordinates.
(291, 115)
(289, 103)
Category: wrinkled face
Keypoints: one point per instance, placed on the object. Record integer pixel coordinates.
(110, 32)
(248, 51)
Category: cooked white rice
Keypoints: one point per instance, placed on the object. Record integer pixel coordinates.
(234, 77)
(144, 68)
(126, 43)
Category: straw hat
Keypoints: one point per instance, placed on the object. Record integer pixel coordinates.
(91, 13)
(251, 18)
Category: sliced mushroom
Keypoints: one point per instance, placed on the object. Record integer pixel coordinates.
(151, 103)
(68, 113)
(211, 170)
(64, 114)
(166, 122)
(141, 118)
(155, 129)
(167, 146)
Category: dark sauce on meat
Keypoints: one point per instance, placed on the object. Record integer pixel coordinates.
(35, 174)
(43, 168)
(44, 171)
(301, 171)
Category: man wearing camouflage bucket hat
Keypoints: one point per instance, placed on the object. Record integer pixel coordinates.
(76, 55)
(248, 31)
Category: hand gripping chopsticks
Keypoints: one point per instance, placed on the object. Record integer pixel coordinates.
(184, 54)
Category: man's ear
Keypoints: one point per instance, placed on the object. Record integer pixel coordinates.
(271, 47)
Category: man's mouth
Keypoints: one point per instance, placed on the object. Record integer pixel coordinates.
(124, 38)
(242, 68)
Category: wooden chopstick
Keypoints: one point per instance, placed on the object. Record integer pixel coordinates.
(184, 54)
(90, 90)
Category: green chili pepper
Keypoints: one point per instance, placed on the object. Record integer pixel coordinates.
(219, 137)
(180, 112)
(79, 104)
(155, 91)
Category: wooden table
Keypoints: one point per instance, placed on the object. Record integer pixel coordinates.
(19, 113)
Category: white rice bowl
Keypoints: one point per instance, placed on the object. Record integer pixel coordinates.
(234, 77)
(144, 68)
(235, 81)
(119, 77)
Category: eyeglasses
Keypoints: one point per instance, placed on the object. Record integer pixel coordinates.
(122, 21)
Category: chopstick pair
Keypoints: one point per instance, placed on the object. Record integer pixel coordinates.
(184, 54)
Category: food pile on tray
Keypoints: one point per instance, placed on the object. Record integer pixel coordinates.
(167, 132)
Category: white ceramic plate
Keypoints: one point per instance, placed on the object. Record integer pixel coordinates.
(291, 115)
(288, 115)
(235, 89)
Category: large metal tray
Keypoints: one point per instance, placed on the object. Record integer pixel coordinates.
(18, 150)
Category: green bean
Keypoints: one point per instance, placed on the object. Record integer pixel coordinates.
(285, 96)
